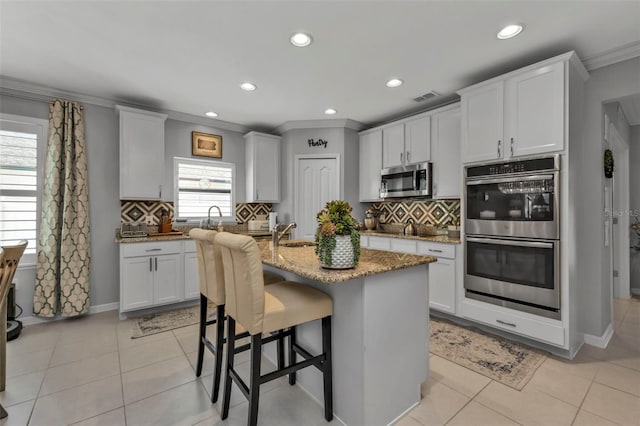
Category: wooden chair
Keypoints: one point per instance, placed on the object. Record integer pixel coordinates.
(211, 279)
(9, 259)
(278, 308)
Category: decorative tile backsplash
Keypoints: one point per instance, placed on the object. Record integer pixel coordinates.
(434, 212)
(136, 211)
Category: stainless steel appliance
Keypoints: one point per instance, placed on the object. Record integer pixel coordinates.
(512, 250)
(413, 180)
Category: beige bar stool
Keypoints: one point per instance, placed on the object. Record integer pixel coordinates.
(9, 259)
(211, 279)
(261, 310)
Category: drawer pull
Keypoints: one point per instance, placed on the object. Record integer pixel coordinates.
(435, 251)
(150, 265)
(153, 249)
(157, 266)
(510, 324)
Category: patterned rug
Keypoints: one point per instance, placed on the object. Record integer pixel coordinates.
(165, 321)
(502, 360)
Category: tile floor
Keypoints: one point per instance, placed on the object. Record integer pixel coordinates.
(89, 372)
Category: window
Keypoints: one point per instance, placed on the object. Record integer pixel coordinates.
(200, 184)
(21, 141)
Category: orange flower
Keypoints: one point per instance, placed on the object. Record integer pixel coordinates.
(328, 229)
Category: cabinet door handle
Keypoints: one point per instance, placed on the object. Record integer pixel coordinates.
(435, 251)
(408, 156)
(401, 156)
(257, 194)
(150, 264)
(512, 147)
(159, 191)
(510, 324)
(156, 263)
(499, 145)
(153, 249)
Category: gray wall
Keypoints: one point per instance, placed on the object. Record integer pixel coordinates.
(605, 84)
(177, 137)
(341, 141)
(101, 131)
(634, 203)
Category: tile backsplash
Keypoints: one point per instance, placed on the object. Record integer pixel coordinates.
(136, 211)
(434, 212)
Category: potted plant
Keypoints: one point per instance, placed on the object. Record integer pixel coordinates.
(338, 236)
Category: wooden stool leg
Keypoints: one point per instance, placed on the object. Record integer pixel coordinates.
(254, 387)
(219, 352)
(231, 341)
(292, 355)
(203, 333)
(327, 368)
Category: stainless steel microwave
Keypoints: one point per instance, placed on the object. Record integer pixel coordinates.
(413, 180)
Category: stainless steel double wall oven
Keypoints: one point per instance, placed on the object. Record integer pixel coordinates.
(512, 228)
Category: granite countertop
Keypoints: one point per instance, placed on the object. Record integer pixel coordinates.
(304, 262)
(183, 236)
(433, 238)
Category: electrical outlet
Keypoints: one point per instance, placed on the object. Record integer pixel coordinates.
(149, 219)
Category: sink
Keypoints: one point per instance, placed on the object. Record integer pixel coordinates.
(297, 243)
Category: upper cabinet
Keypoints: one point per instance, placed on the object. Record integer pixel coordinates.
(263, 167)
(370, 165)
(519, 114)
(141, 154)
(445, 152)
(406, 142)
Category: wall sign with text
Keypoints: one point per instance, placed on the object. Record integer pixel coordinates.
(319, 142)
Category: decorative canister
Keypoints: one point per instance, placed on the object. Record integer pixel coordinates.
(342, 256)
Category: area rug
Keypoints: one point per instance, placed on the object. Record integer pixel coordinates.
(497, 358)
(165, 321)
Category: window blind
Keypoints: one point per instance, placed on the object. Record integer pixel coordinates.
(202, 184)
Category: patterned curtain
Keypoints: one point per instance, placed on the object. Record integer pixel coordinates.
(62, 272)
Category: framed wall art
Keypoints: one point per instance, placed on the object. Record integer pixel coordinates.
(206, 145)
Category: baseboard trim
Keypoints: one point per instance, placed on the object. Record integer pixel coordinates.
(96, 309)
(635, 291)
(600, 341)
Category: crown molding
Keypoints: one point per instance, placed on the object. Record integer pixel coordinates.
(612, 56)
(37, 92)
(320, 124)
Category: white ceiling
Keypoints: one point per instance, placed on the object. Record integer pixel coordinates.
(190, 56)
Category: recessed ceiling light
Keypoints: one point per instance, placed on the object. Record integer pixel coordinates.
(330, 111)
(394, 82)
(510, 31)
(249, 87)
(211, 114)
(300, 39)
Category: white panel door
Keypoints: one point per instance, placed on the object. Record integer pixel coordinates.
(370, 165)
(393, 146)
(191, 284)
(137, 283)
(442, 285)
(317, 181)
(417, 143)
(445, 143)
(482, 123)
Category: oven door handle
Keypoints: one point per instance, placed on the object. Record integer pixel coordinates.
(535, 244)
(508, 179)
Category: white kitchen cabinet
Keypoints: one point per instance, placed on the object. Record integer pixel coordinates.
(262, 168)
(370, 165)
(535, 113)
(407, 142)
(417, 140)
(393, 145)
(150, 274)
(442, 275)
(191, 283)
(141, 154)
(445, 148)
(519, 114)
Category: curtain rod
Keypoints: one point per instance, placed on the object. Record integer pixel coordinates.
(31, 97)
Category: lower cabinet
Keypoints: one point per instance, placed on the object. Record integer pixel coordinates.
(442, 274)
(156, 273)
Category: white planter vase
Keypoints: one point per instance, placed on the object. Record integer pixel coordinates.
(342, 256)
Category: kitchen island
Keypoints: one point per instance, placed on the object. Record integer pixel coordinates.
(380, 330)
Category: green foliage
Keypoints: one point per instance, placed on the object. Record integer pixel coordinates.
(335, 219)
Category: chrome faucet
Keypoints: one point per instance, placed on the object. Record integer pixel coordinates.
(209, 215)
(277, 236)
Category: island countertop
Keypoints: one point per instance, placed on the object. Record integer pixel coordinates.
(304, 262)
